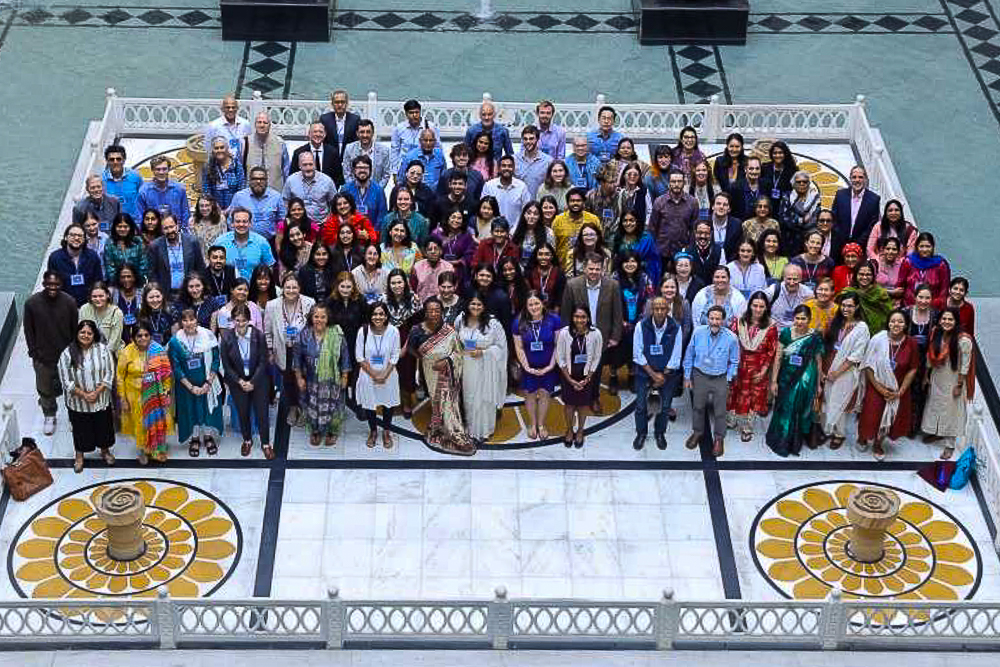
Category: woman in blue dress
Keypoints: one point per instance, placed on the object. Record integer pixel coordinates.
(194, 357)
(535, 343)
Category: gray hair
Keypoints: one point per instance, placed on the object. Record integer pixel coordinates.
(802, 174)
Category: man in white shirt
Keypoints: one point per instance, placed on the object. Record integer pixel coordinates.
(230, 127)
(511, 193)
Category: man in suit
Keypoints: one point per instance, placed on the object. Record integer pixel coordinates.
(601, 296)
(727, 231)
(173, 256)
(341, 125)
(219, 276)
(855, 210)
(745, 191)
(327, 155)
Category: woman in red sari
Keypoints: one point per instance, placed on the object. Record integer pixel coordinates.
(758, 337)
(890, 367)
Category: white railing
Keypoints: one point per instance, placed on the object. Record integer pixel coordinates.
(981, 433)
(333, 623)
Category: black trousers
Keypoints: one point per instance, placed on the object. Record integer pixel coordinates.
(259, 401)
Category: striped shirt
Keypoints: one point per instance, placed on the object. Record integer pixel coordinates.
(96, 367)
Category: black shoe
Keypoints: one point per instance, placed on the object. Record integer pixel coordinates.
(661, 441)
(639, 442)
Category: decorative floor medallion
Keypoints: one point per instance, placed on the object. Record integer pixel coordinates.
(193, 543)
(800, 542)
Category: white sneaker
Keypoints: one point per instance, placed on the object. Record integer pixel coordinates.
(50, 426)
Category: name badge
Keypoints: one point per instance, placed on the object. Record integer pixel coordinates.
(130, 319)
(223, 320)
(810, 284)
(656, 349)
(795, 359)
(580, 181)
(775, 193)
(76, 279)
(537, 346)
(469, 343)
(149, 377)
(579, 358)
(104, 226)
(607, 214)
(234, 144)
(241, 263)
(920, 338)
(605, 156)
(176, 266)
(164, 209)
(378, 360)
(790, 314)
(371, 297)
(194, 363)
(363, 210)
(291, 332)
(223, 185)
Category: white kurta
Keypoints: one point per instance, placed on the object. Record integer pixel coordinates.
(838, 394)
(944, 415)
(484, 379)
(369, 394)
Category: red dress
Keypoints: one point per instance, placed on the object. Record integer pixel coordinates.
(331, 227)
(748, 394)
(907, 359)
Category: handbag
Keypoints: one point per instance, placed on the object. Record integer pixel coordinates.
(27, 473)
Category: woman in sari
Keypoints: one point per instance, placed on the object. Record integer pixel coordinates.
(950, 380)
(322, 362)
(436, 345)
(795, 384)
(144, 385)
(484, 368)
(875, 302)
(758, 337)
(194, 357)
(846, 341)
(891, 365)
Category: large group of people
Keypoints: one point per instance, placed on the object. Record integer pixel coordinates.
(349, 276)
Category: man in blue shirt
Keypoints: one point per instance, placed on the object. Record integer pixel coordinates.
(427, 153)
(582, 166)
(406, 135)
(163, 195)
(369, 197)
(531, 164)
(245, 249)
(122, 182)
(710, 364)
(501, 137)
(264, 202)
(604, 140)
(551, 137)
(656, 352)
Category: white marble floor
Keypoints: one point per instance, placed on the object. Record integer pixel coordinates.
(460, 533)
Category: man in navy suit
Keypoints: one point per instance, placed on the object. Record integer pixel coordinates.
(855, 210)
(327, 155)
(727, 231)
(341, 125)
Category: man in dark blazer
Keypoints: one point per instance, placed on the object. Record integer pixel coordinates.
(244, 358)
(606, 314)
(327, 154)
(219, 276)
(339, 118)
(727, 231)
(855, 211)
(159, 256)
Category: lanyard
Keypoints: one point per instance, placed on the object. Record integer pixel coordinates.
(536, 330)
(377, 342)
(244, 352)
(580, 344)
(892, 357)
(544, 282)
(297, 311)
(190, 344)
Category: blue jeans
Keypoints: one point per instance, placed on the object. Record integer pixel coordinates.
(643, 387)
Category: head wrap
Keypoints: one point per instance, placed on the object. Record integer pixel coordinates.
(852, 248)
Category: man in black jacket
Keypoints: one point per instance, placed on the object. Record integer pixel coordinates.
(219, 276)
(855, 211)
(50, 318)
(327, 154)
(341, 125)
(173, 256)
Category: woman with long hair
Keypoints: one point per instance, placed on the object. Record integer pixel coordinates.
(779, 172)
(348, 311)
(758, 336)
(127, 296)
(657, 180)
(814, 264)
(376, 355)
(921, 317)
(887, 267)
(486, 212)
(223, 176)
(702, 188)
(632, 194)
(343, 209)
(196, 364)
(294, 250)
(262, 288)
(590, 239)
(157, 312)
(876, 304)
(556, 185)
(481, 155)
(297, 216)
(404, 210)
(578, 355)
(87, 373)
(484, 368)
(846, 341)
(545, 277)
(748, 275)
(822, 306)
(207, 223)
(458, 246)
(247, 375)
(284, 318)
(950, 381)
(498, 246)
(124, 247)
(239, 295)
(398, 249)
(316, 278)
(322, 364)
(893, 225)
(730, 167)
(145, 388)
(925, 267)
(890, 366)
(531, 232)
(760, 222)
(370, 276)
(769, 255)
(151, 230)
(632, 235)
(636, 288)
(534, 344)
(686, 153)
(796, 377)
(510, 278)
(193, 295)
(404, 311)
(108, 317)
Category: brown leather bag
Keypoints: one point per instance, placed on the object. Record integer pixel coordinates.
(28, 473)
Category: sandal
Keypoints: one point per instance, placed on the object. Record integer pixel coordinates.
(878, 452)
(568, 440)
(314, 439)
(194, 448)
(387, 440)
(268, 452)
(947, 453)
(331, 440)
(672, 415)
(109, 458)
(211, 447)
(371, 439)
(78, 464)
(543, 434)
(836, 443)
(745, 436)
(532, 433)
(244, 448)
(143, 459)
(578, 441)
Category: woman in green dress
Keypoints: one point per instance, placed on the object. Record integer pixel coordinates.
(876, 304)
(194, 356)
(795, 383)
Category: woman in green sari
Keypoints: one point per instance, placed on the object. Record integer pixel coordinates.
(795, 383)
(876, 304)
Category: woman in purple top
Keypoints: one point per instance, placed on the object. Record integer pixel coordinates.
(457, 244)
(535, 344)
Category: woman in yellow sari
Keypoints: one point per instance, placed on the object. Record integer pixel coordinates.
(144, 384)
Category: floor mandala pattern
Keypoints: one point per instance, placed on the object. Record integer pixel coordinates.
(193, 543)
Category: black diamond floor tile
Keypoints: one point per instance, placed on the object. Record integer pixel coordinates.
(980, 33)
(621, 22)
(581, 22)
(194, 18)
(465, 21)
(36, 16)
(703, 89)
(115, 16)
(814, 23)
(154, 17)
(971, 16)
(428, 20)
(963, 3)
(389, 20)
(265, 84)
(987, 49)
(775, 23)
(930, 23)
(891, 23)
(544, 21)
(266, 66)
(991, 66)
(507, 22)
(269, 49)
(699, 71)
(995, 85)
(694, 52)
(853, 23)
(350, 19)
(76, 15)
